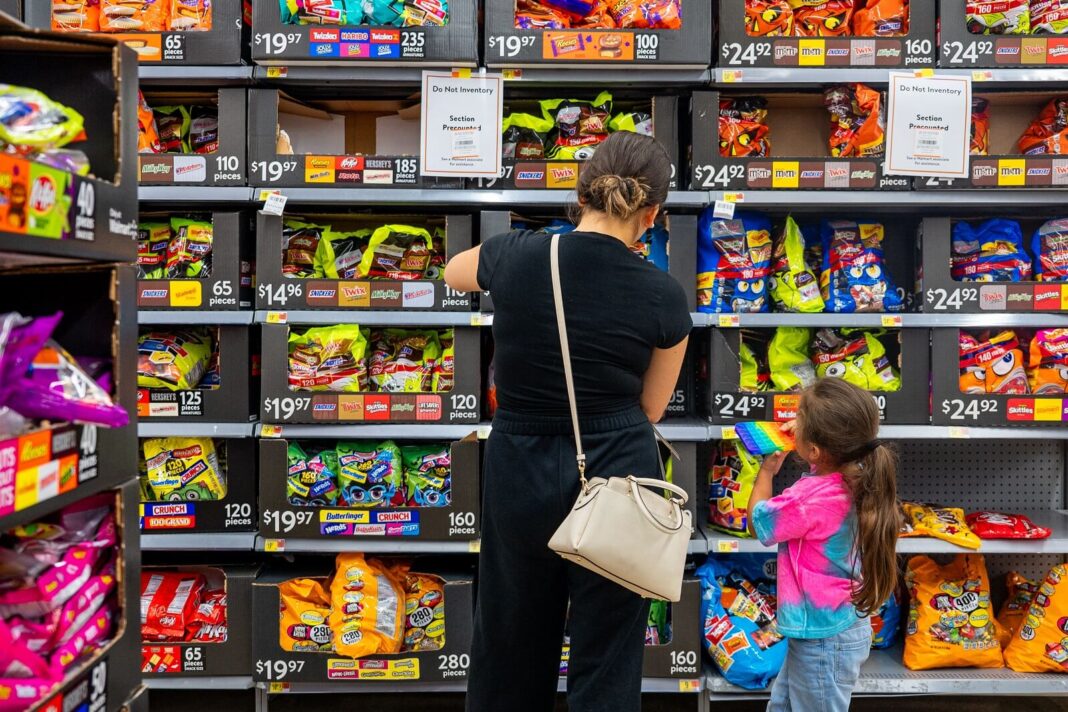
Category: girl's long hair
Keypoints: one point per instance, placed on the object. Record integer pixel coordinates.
(843, 421)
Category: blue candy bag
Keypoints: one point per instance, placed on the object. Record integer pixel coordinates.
(653, 247)
(886, 624)
(1050, 248)
(733, 263)
(738, 618)
(854, 276)
(992, 252)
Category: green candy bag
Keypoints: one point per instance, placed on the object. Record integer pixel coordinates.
(428, 475)
(370, 474)
(794, 287)
(788, 359)
(339, 254)
(311, 481)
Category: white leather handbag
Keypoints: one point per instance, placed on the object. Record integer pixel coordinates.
(622, 528)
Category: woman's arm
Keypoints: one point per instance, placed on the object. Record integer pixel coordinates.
(661, 378)
(461, 273)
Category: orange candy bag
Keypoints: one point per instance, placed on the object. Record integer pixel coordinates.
(367, 607)
(768, 18)
(1049, 132)
(950, 620)
(882, 18)
(190, 15)
(1019, 593)
(133, 15)
(832, 18)
(980, 145)
(857, 124)
(304, 609)
(76, 15)
(424, 613)
(945, 523)
(1041, 643)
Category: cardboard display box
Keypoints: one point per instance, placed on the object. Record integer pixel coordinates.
(335, 143)
(911, 357)
(45, 202)
(1011, 113)
(196, 659)
(519, 174)
(280, 404)
(220, 45)
(799, 128)
(236, 512)
(274, 290)
(232, 402)
(12, 8)
(458, 521)
(737, 48)
(451, 45)
(952, 407)
(939, 293)
(505, 45)
(229, 287)
(273, 664)
(226, 166)
(960, 48)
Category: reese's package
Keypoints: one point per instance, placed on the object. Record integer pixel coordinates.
(328, 358)
(854, 276)
(75, 16)
(366, 608)
(183, 469)
(175, 360)
(133, 15)
(733, 263)
(855, 355)
(794, 287)
(730, 483)
(998, 17)
(1041, 643)
(370, 474)
(1049, 245)
(303, 617)
(993, 251)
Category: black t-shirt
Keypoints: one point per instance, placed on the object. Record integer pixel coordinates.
(618, 308)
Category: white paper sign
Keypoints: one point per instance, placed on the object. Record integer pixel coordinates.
(460, 127)
(929, 122)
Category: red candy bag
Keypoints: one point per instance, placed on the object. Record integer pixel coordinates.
(997, 525)
(168, 603)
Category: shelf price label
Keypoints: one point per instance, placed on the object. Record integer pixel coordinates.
(285, 408)
(510, 45)
(278, 669)
(277, 317)
(972, 409)
(689, 685)
(283, 522)
(273, 546)
(726, 546)
(891, 320)
(275, 43)
(277, 688)
(269, 430)
(729, 321)
(729, 433)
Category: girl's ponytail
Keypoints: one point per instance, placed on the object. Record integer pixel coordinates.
(874, 489)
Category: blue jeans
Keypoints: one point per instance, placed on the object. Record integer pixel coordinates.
(819, 675)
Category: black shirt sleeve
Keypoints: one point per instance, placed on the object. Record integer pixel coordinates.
(492, 254)
(675, 320)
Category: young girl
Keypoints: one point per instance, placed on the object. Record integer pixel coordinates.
(837, 530)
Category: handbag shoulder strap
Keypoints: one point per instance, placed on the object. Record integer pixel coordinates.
(565, 351)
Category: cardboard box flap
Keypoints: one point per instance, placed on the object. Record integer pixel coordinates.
(289, 105)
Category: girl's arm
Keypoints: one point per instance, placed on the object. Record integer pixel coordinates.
(762, 488)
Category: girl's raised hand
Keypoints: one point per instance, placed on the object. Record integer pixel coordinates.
(789, 427)
(773, 463)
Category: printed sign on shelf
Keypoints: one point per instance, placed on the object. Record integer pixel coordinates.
(928, 122)
(460, 129)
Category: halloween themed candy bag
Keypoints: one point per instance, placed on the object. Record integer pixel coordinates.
(1040, 644)
(794, 288)
(1050, 247)
(370, 474)
(733, 263)
(991, 252)
(366, 608)
(854, 276)
(731, 477)
(1047, 369)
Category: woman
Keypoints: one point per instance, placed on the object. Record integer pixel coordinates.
(628, 325)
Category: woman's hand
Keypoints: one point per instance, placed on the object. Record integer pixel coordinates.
(772, 463)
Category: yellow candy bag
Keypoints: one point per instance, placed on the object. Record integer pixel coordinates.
(950, 622)
(304, 609)
(367, 613)
(183, 469)
(945, 523)
(1041, 643)
(1019, 593)
(424, 613)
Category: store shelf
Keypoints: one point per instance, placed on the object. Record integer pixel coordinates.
(189, 682)
(25, 250)
(241, 318)
(992, 319)
(943, 432)
(199, 194)
(657, 685)
(355, 76)
(695, 430)
(741, 77)
(663, 76)
(375, 318)
(374, 687)
(388, 77)
(222, 541)
(413, 431)
(980, 199)
(181, 75)
(394, 545)
(450, 197)
(196, 430)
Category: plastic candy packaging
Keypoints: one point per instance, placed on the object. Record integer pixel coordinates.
(1019, 592)
(1040, 644)
(854, 355)
(638, 122)
(789, 364)
(769, 18)
(203, 135)
(1049, 17)
(730, 483)
(305, 610)
(1004, 17)
(998, 525)
(190, 15)
(886, 623)
(311, 481)
(300, 246)
(534, 15)
(370, 474)
(1047, 370)
(190, 248)
(950, 621)
(328, 358)
(992, 364)
(400, 252)
(173, 125)
(577, 122)
(755, 375)
(424, 613)
(403, 361)
(733, 263)
(183, 469)
(980, 127)
(881, 18)
(168, 601)
(30, 121)
(524, 136)
(175, 360)
(857, 122)
(337, 254)
(1049, 132)
(321, 12)
(822, 18)
(854, 277)
(76, 16)
(738, 618)
(367, 608)
(1050, 247)
(657, 627)
(945, 523)
(133, 15)
(147, 131)
(794, 288)
(742, 127)
(991, 252)
(427, 475)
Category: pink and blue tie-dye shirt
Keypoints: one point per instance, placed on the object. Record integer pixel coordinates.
(813, 522)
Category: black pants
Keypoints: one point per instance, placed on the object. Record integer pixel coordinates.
(530, 482)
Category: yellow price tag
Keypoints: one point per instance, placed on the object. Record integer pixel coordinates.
(273, 546)
(474, 546)
(484, 432)
(277, 72)
(959, 433)
(462, 73)
(689, 685)
(729, 433)
(270, 431)
(726, 546)
(732, 76)
(265, 193)
(729, 321)
(982, 75)
(477, 320)
(276, 688)
(892, 320)
(277, 317)
(512, 74)
(923, 73)
(734, 197)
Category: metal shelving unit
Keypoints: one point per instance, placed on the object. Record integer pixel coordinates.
(197, 430)
(222, 541)
(180, 317)
(188, 682)
(741, 78)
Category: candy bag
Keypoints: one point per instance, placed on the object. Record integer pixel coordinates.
(133, 15)
(857, 122)
(147, 132)
(173, 125)
(183, 469)
(367, 608)
(337, 254)
(310, 480)
(856, 356)
(769, 18)
(75, 16)
(328, 358)
(168, 601)
(794, 287)
(1049, 17)
(730, 484)
(1019, 592)
(980, 127)
(997, 525)
(321, 12)
(534, 15)
(403, 361)
(738, 618)
(29, 120)
(399, 252)
(304, 612)
(189, 252)
(1049, 132)
(886, 623)
(992, 252)
(822, 18)
(733, 263)
(995, 363)
(370, 474)
(444, 371)
(1050, 247)
(424, 613)
(1041, 644)
(427, 475)
(754, 374)
(175, 360)
(1048, 368)
(300, 247)
(657, 629)
(203, 137)
(524, 135)
(576, 9)
(854, 276)
(1002, 17)
(742, 127)
(945, 523)
(788, 359)
(190, 15)
(950, 621)
(882, 18)
(577, 122)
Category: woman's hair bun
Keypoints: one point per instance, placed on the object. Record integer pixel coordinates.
(616, 196)
(628, 172)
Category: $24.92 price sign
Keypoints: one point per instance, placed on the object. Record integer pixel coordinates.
(959, 409)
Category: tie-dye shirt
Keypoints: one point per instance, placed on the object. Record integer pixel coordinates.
(813, 522)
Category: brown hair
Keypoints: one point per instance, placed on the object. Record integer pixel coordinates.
(628, 172)
(843, 421)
